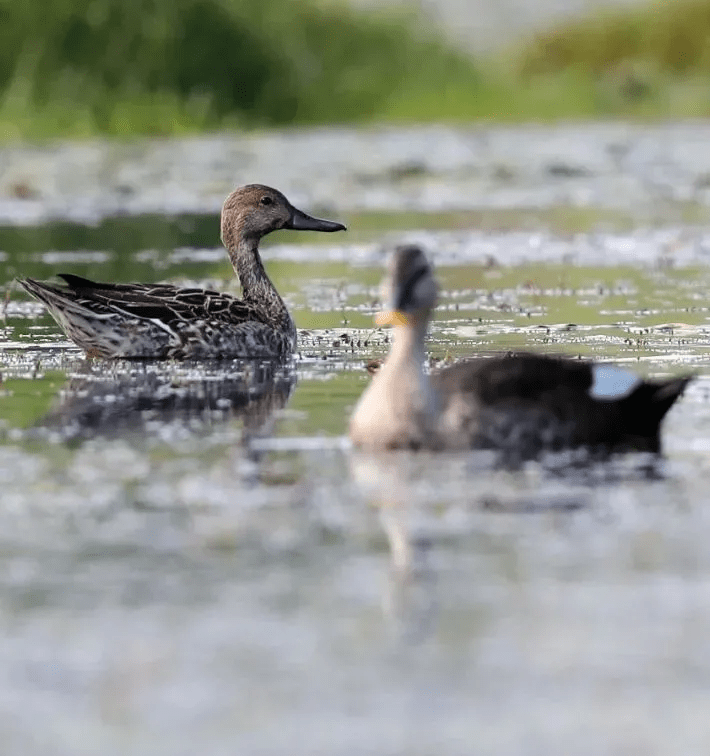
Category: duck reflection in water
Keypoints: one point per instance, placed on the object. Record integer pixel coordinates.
(114, 399)
(409, 597)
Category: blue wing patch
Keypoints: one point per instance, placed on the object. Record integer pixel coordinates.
(612, 382)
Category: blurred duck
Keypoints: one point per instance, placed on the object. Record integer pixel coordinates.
(160, 321)
(520, 403)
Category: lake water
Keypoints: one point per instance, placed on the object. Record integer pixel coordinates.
(191, 556)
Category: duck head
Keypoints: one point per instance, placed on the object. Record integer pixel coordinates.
(409, 290)
(253, 211)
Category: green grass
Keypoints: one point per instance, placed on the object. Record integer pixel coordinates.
(670, 37)
(647, 61)
(80, 68)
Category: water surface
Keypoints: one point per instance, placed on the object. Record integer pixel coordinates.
(193, 558)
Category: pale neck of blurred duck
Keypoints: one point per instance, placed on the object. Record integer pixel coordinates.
(408, 350)
(397, 407)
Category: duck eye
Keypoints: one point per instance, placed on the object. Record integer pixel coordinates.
(266, 200)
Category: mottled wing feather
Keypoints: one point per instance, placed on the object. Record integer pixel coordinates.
(159, 321)
(163, 302)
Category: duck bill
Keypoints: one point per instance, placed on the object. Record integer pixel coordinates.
(300, 221)
(391, 317)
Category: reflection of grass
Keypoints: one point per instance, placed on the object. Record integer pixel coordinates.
(558, 219)
(23, 401)
(124, 236)
(611, 312)
(316, 399)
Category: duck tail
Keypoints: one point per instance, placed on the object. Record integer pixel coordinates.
(645, 409)
(68, 308)
(50, 295)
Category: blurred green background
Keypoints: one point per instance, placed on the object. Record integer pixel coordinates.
(123, 67)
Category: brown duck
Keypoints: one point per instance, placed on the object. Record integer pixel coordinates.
(161, 321)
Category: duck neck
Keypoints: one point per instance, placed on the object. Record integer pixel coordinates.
(406, 362)
(408, 347)
(398, 409)
(257, 288)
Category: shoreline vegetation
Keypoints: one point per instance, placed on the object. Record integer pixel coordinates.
(83, 68)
